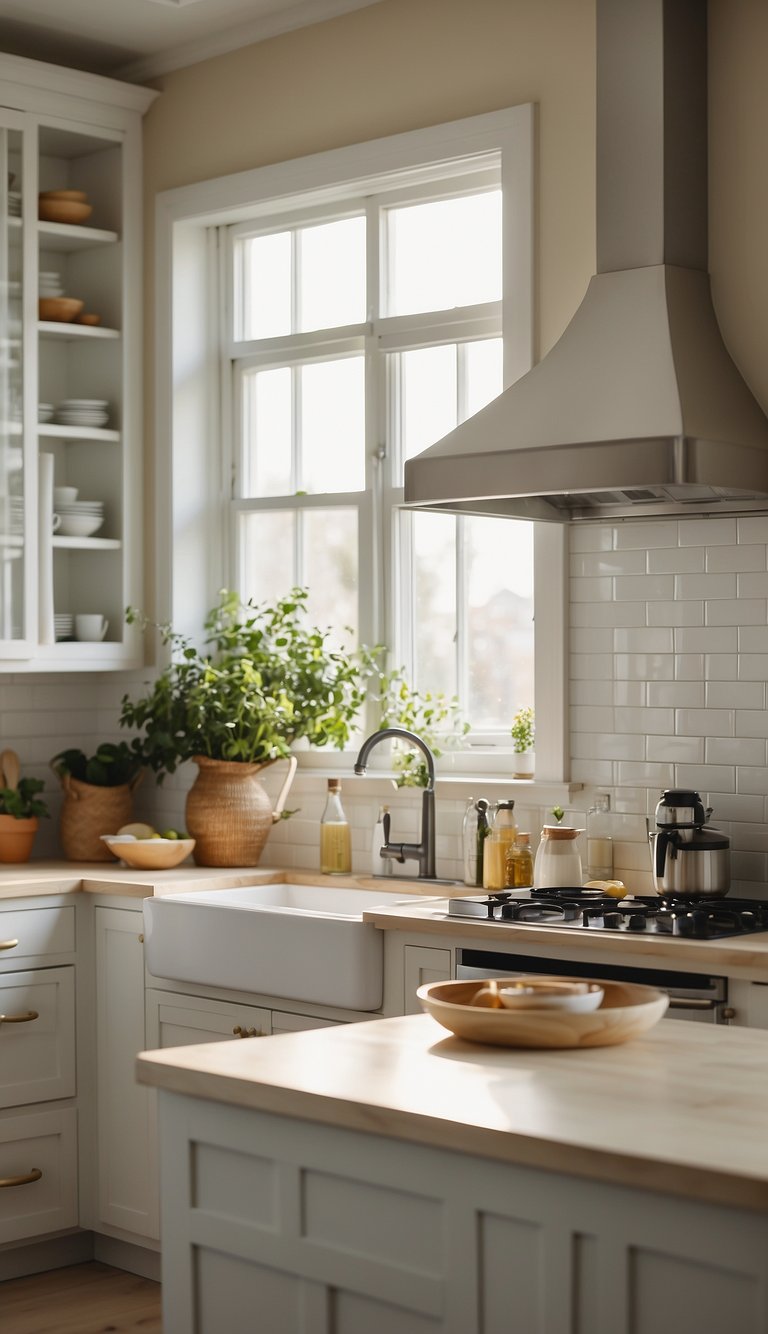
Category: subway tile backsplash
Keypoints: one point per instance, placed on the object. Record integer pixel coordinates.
(669, 662)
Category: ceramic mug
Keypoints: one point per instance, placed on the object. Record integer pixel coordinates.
(64, 495)
(56, 522)
(91, 626)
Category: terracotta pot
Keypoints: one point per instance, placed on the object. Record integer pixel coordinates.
(16, 838)
(88, 811)
(229, 814)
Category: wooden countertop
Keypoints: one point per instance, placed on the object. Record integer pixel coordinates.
(742, 956)
(681, 1110)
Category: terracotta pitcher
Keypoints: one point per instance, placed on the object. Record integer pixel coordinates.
(229, 814)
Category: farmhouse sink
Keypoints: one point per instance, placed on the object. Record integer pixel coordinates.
(302, 942)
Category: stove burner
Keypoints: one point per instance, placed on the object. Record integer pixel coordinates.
(591, 910)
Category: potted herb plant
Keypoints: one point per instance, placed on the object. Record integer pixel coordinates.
(523, 732)
(263, 679)
(98, 796)
(20, 812)
(432, 715)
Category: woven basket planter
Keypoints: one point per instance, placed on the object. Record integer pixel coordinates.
(229, 814)
(16, 838)
(88, 812)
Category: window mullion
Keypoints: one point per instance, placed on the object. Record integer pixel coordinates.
(297, 471)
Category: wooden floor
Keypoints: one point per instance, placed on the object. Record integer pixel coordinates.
(83, 1299)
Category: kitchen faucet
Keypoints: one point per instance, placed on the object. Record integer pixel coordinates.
(422, 852)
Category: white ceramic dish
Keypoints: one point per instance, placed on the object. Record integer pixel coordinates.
(148, 854)
(80, 525)
(544, 994)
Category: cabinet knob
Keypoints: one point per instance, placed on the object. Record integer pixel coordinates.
(19, 1018)
(8, 944)
(141, 938)
(247, 1032)
(33, 1175)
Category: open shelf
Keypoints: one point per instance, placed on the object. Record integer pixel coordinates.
(64, 330)
(87, 543)
(54, 431)
(67, 237)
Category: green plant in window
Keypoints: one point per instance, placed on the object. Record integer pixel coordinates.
(263, 678)
(523, 731)
(434, 716)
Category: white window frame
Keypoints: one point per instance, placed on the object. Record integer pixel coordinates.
(193, 478)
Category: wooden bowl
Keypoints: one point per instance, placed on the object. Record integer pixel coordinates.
(62, 308)
(627, 1011)
(75, 196)
(88, 318)
(63, 210)
(149, 854)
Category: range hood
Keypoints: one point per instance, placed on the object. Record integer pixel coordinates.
(639, 408)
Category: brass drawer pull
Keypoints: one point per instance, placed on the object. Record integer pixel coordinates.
(19, 1018)
(33, 1175)
(8, 944)
(247, 1032)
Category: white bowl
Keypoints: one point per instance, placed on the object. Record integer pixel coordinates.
(546, 994)
(64, 495)
(79, 525)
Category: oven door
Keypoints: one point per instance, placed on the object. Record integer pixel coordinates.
(695, 996)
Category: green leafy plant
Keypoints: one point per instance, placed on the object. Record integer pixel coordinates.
(523, 731)
(264, 678)
(434, 716)
(113, 764)
(558, 813)
(22, 801)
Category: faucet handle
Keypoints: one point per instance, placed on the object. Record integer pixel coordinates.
(386, 821)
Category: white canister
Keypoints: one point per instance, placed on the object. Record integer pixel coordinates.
(558, 862)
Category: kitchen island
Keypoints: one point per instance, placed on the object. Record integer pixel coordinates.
(390, 1178)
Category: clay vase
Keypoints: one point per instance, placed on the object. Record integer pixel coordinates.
(87, 812)
(16, 838)
(228, 812)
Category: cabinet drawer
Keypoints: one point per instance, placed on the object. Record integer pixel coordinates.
(40, 932)
(283, 1022)
(44, 1142)
(37, 1054)
(180, 1021)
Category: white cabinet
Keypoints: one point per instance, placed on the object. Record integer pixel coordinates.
(421, 964)
(127, 1185)
(38, 1145)
(70, 392)
(180, 1021)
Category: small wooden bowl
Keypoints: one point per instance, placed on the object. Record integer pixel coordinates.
(61, 308)
(63, 210)
(74, 196)
(627, 1011)
(88, 318)
(149, 854)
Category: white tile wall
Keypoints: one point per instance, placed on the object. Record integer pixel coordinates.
(669, 662)
(697, 659)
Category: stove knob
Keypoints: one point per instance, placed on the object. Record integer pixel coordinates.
(637, 922)
(748, 920)
(612, 920)
(692, 924)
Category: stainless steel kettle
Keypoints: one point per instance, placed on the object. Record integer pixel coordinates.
(688, 859)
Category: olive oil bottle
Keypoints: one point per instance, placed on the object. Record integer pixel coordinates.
(335, 840)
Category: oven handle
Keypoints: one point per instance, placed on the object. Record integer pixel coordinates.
(700, 1003)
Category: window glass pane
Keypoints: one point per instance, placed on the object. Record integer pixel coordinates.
(333, 426)
(332, 274)
(329, 550)
(428, 396)
(444, 254)
(434, 602)
(499, 568)
(267, 563)
(267, 415)
(484, 373)
(267, 286)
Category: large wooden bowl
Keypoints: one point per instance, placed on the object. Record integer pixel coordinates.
(63, 210)
(63, 309)
(627, 1011)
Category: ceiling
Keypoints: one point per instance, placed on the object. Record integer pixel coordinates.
(138, 39)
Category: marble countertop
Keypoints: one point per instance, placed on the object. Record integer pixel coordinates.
(681, 1110)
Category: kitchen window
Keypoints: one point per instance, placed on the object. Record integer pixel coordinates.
(369, 299)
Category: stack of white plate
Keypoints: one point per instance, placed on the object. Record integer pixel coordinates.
(50, 283)
(14, 203)
(16, 514)
(83, 412)
(63, 624)
(44, 412)
(80, 518)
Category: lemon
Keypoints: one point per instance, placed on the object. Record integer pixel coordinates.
(615, 888)
(139, 830)
(169, 833)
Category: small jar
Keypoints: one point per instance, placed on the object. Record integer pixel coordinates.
(558, 861)
(519, 863)
(497, 845)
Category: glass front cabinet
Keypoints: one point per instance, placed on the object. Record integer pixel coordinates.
(70, 367)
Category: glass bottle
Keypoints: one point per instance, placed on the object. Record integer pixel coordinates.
(474, 833)
(380, 865)
(519, 864)
(599, 841)
(497, 845)
(335, 841)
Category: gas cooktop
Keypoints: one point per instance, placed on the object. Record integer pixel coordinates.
(591, 910)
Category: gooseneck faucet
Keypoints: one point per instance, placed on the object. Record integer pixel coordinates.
(422, 852)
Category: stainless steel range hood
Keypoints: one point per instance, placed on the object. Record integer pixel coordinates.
(639, 408)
